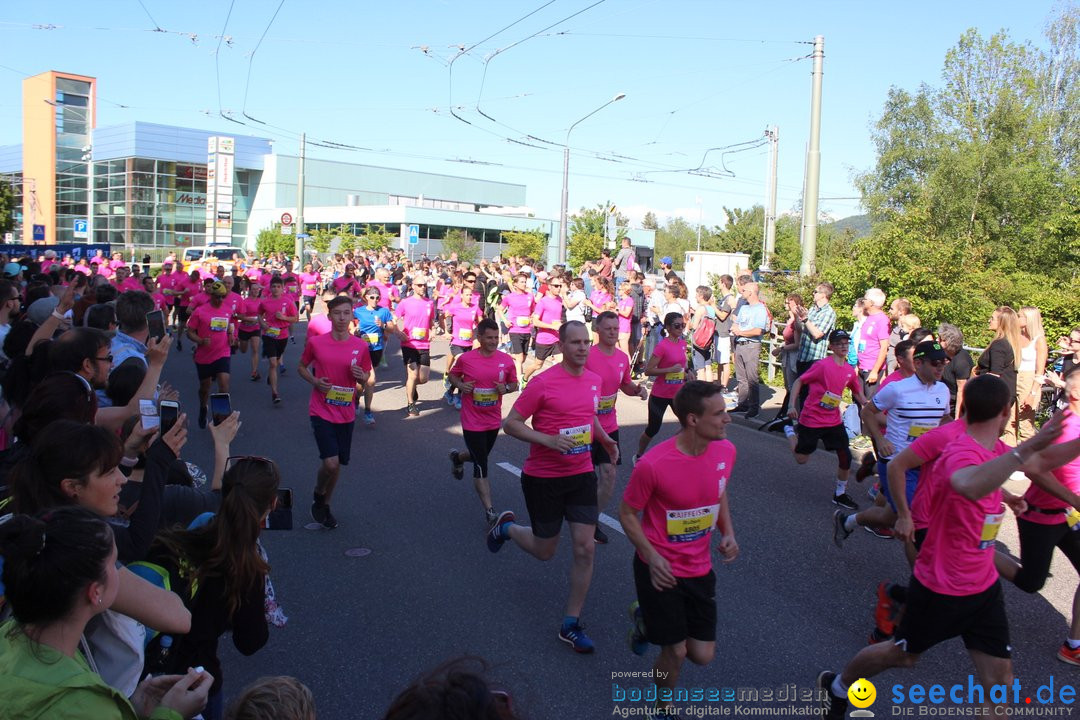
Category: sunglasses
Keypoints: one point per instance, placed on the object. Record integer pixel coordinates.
(259, 459)
(678, 326)
(107, 358)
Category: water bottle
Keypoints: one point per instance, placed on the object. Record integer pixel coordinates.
(158, 663)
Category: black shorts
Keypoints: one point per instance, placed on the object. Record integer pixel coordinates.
(931, 618)
(211, 370)
(333, 439)
(918, 536)
(687, 610)
(600, 455)
(273, 347)
(834, 437)
(456, 350)
(550, 499)
(543, 352)
(519, 343)
(376, 357)
(247, 334)
(412, 356)
(479, 444)
(309, 300)
(1037, 543)
(185, 312)
(657, 407)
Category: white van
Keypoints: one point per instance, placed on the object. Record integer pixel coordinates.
(223, 253)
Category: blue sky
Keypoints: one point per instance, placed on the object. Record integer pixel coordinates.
(697, 74)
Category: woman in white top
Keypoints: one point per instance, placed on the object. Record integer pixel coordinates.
(1029, 376)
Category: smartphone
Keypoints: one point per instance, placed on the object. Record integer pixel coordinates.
(169, 412)
(280, 518)
(220, 407)
(155, 322)
(148, 414)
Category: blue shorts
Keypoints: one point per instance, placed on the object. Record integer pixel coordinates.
(333, 439)
(911, 479)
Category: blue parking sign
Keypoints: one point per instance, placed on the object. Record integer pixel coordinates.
(414, 234)
(80, 229)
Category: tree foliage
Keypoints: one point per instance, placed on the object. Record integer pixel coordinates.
(458, 241)
(588, 228)
(271, 240)
(7, 207)
(526, 243)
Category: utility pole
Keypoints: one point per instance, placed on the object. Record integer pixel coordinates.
(773, 134)
(699, 219)
(813, 165)
(298, 259)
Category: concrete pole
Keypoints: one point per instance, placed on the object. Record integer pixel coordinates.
(298, 256)
(773, 134)
(562, 212)
(813, 165)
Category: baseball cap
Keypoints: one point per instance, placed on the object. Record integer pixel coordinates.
(218, 289)
(40, 310)
(666, 260)
(12, 269)
(838, 335)
(929, 350)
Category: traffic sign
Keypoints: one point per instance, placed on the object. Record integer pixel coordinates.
(414, 234)
(286, 218)
(39, 233)
(286, 229)
(80, 229)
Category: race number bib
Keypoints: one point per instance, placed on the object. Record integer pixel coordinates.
(219, 324)
(485, 397)
(1072, 518)
(606, 405)
(523, 321)
(418, 333)
(830, 401)
(340, 396)
(991, 525)
(372, 338)
(674, 378)
(273, 332)
(689, 525)
(582, 437)
(916, 431)
(464, 334)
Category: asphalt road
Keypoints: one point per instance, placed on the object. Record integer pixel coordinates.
(361, 628)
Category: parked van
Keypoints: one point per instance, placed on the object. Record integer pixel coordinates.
(222, 253)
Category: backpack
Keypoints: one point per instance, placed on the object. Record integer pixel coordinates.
(703, 335)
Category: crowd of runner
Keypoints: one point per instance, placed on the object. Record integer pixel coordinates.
(108, 582)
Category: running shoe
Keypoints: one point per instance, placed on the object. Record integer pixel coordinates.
(281, 369)
(840, 533)
(457, 402)
(883, 533)
(448, 396)
(575, 637)
(633, 460)
(600, 536)
(320, 512)
(255, 377)
(1067, 654)
(495, 538)
(202, 417)
(844, 500)
(412, 410)
(861, 442)
(873, 491)
(369, 419)
(639, 643)
(330, 522)
(277, 399)
(866, 467)
(292, 339)
(456, 466)
(491, 516)
(885, 612)
(832, 707)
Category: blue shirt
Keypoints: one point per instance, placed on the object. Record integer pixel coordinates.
(368, 328)
(753, 316)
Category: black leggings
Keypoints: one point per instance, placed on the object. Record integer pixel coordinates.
(657, 407)
(1037, 543)
(479, 444)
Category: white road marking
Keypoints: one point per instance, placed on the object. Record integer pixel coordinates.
(604, 517)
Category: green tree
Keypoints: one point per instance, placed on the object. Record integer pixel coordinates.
(7, 207)
(587, 232)
(271, 240)
(675, 238)
(377, 238)
(649, 221)
(526, 243)
(459, 241)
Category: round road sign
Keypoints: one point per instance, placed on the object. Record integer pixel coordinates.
(286, 219)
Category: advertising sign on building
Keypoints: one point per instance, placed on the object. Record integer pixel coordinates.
(219, 190)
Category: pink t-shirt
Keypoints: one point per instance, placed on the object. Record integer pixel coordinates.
(957, 557)
(292, 285)
(565, 404)
(320, 325)
(309, 284)
(679, 496)
(206, 321)
(520, 310)
(268, 308)
(614, 372)
(130, 283)
(345, 285)
(160, 302)
(198, 300)
(1068, 475)
(669, 353)
(333, 359)
(826, 379)
(189, 287)
(387, 293)
(416, 315)
(875, 328)
(625, 303)
(549, 310)
(82, 269)
(250, 308)
(600, 298)
(929, 447)
(482, 408)
(463, 322)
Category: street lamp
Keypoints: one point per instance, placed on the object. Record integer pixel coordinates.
(566, 176)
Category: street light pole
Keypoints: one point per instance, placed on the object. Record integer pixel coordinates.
(566, 177)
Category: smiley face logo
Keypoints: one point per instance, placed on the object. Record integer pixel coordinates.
(862, 693)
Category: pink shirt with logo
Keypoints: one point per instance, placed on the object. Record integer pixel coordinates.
(333, 359)
(957, 557)
(268, 308)
(160, 301)
(927, 491)
(320, 325)
(679, 499)
(565, 404)
(625, 303)
(548, 310)
(519, 311)
(1068, 475)
(207, 321)
(826, 380)
(482, 408)
(875, 328)
(669, 353)
(309, 284)
(416, 315)
(463, 322)
(614, 372)
(250, 308)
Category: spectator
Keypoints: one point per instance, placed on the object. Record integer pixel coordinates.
(130, 339)
(751, 324)
(273, 698)
(1029, 376)
(455, 690)
(958, 371)
(897, 309)
(873, 347)
(1002, 356)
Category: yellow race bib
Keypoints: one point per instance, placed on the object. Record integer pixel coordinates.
(582, 436)
(523, 321)
(273, 332)
(689, 525)
(607, 404)
(340, 396)
(485, 397)
(674, 378)
(830, 401)
(916, 431)
(372, 338)
(991, 525)
(465, 333)
(418, 333)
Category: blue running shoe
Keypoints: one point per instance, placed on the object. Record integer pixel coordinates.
(575, 637)
(495, 537)
(639, 643)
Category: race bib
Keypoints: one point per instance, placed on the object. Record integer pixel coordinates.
(916, 431)
(689, 525)
(830, 401)
(311, 286)
(991, 525)
(607, 404)
(418, 333)
(372, 338)
(674, 378)
(340, 396)
(219, 324)
(485, 397)
(1072, 519)
(523, 321)
(464, 333)
(582, 437)
(273, 332)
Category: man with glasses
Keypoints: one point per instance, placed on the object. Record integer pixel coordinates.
(416, 315)
(546, 318)
(10, 304)
(816, 323)
(751, 324)
(373, 323)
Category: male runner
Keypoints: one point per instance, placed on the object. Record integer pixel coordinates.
(676, 495)
(613, 367)
(374, 324)
(517, 306)
(482, 376)
(546, 318)
(208, 329)
(276, 314)
(388, 292)
(463, 309)
(333, 363)
(558, 479)
(416, 315)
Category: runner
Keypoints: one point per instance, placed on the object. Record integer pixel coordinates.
(668, 366)
(820, 418)
(955, 590)
(613, 367)
(389, 296)
(208, 329)
(333, 363)
(676, 496)
(517, 307)
(558, 480)
(374, 324)
(482, 376)
(416, 315)
(276, 314)
(546, 318)
(463, 312)
(309, 289)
